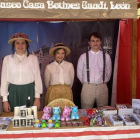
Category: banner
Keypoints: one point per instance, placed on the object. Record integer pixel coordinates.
(68, 9)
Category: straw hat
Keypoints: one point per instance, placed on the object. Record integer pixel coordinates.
(61, 46)
(61, 102)
(17, 36)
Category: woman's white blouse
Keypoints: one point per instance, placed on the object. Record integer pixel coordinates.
(20, 70)
(62, 73)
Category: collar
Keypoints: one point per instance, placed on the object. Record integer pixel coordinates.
(21, 56)
(59, 62)
(95, 53)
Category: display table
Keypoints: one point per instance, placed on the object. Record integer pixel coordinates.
(73, 133)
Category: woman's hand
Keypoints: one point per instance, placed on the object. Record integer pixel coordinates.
(37, 103)
(6, 106)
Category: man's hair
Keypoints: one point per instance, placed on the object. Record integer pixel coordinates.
(95, 34)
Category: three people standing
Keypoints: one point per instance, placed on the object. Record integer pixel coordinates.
(21, 74)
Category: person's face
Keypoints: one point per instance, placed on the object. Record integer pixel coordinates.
(95, 44)
(60, 55)
(20, 46)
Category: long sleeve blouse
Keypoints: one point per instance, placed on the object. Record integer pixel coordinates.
(95, 67)
(52, 73)
(20, 71)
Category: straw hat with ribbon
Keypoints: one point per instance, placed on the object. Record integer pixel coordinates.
(59, 46)
(17, 36)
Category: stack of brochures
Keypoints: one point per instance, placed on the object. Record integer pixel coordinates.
(128, 119)
(108, 110)
(124, 109)
(4, 123)
(116, 120)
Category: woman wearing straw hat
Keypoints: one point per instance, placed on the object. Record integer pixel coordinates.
(59, 75)
(20, 75)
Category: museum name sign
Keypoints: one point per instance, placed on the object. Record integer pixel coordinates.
(69, 9)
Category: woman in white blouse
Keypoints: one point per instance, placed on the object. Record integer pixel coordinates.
(59, 75)
(20, 75)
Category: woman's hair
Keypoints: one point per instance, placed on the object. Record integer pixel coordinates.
(58, 50)
(27, 48)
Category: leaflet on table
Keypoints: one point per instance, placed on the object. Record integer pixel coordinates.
(136, 106)
(128, 119)
(4, 123)
(116, 120)
(137, 118)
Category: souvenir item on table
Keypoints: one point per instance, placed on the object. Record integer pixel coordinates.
(4, 123)
(17, 111)
(62, 124)
(16, 122)
(28, 102)
(124, 109)
(74, 112)
(128, 119)
(86, 121)
(57, 124)
(108, 110)
(92, 121)
(82, 112)
(56, 113)
(81, 123)
(61, 102)
(23, 112)
(22, 122)
(99, 120)
(116, 120)
(136, 106)
(105, 120)
(50, 123)
(37, 124)
(137, 118)
(43, 124)
(90, 113)
(34, 112)
(29, 111)
(74, 123)
(29, 121)
(66, 114)
(47, 113)
(69, 123)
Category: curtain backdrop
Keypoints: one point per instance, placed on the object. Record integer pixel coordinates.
(73, 34)
(124, 62)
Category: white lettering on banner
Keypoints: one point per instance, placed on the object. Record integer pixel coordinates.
(101, 5)
(63, 5)
(119, 6)
(10, 5)
(27, 4)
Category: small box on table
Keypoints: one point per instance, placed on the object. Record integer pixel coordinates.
(124, 109)
(16, 122)
(29, 121)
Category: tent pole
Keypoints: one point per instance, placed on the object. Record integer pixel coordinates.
(133, 59)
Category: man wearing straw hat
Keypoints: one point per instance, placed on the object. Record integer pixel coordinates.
(94, 71)
(59, 75)
(20, 77)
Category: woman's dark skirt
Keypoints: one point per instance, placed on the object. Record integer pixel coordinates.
(18, 94)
